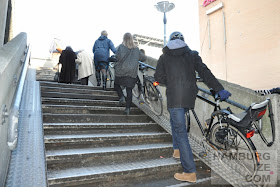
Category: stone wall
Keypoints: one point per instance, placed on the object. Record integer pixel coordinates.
(10, 69)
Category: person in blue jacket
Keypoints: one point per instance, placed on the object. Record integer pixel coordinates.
(176, 69)
(101, 50)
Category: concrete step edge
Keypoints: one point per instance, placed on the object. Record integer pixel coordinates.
(56, 84)
(78, 94)
(79, 107)
(77, 91)
(112, 136)
(51, 154)
(94, 115)
(44, 99)
(95, 172)
(94, 125)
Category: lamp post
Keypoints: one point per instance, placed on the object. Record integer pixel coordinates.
(164, 6)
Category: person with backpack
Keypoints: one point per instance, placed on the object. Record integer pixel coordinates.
(176, 69)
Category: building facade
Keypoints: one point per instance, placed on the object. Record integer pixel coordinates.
(240, 41)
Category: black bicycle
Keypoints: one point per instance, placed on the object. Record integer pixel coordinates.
(230, 133)
(110, 72)
(146, 90)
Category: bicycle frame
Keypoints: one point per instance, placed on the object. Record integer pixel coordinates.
(110, 75)
(147, 88)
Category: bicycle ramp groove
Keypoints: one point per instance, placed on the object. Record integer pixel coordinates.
(89, 142)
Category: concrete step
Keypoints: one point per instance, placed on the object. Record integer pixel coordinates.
(73, 86)
(114, 174)
(85, 157)
(79, 96)
(84, 128)
(79, 102)
(95, 118)
(70, 141)
(77, 90)
(203, 180)
(70, 109)
(150, 173)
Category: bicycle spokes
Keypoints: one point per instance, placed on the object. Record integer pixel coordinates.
(153, 98)
(236, 149)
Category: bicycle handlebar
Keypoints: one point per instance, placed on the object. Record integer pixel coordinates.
(146, 65)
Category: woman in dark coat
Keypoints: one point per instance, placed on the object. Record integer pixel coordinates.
(67, 60)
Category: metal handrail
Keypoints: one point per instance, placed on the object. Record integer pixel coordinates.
(147, 65)
(14, 114)
(238, 105)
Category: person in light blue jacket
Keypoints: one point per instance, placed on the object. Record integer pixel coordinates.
(101, 50)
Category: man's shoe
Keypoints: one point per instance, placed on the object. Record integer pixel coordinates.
(127, 111)
(176, 153)
(98, 83)
(188, 177)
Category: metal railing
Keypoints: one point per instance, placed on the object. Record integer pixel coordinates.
(14, 113)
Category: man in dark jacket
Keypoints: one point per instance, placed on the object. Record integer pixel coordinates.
(176, 69)
(101, 51)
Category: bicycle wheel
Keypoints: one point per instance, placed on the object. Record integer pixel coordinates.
(136, 91)
(110, 78)
(153, 98)
(236, 149)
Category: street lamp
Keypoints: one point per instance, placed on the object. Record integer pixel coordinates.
(164, 6)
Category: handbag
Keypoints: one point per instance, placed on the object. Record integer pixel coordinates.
(56, 77)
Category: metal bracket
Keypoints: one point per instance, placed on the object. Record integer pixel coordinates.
(4, 115)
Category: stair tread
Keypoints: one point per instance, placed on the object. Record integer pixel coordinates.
(73, 93)
(98, 124)
(87, 107)
(63, 85)
(172, 182)
(80, 88)
(80, 151)
(114, 168)
(100, 115)
(74, 99)
(99, 135)
(77, 90)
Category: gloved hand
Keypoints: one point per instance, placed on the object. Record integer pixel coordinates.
(224, 94)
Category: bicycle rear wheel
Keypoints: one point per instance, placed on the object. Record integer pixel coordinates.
(237, 150)
(136, 91)
(153, 98)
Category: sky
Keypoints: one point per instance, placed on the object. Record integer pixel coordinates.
(78, 23)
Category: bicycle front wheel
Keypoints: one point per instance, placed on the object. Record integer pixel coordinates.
(237, 150)
(110, 78)
(153, 98)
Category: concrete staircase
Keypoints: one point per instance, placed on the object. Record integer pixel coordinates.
(89, 142)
